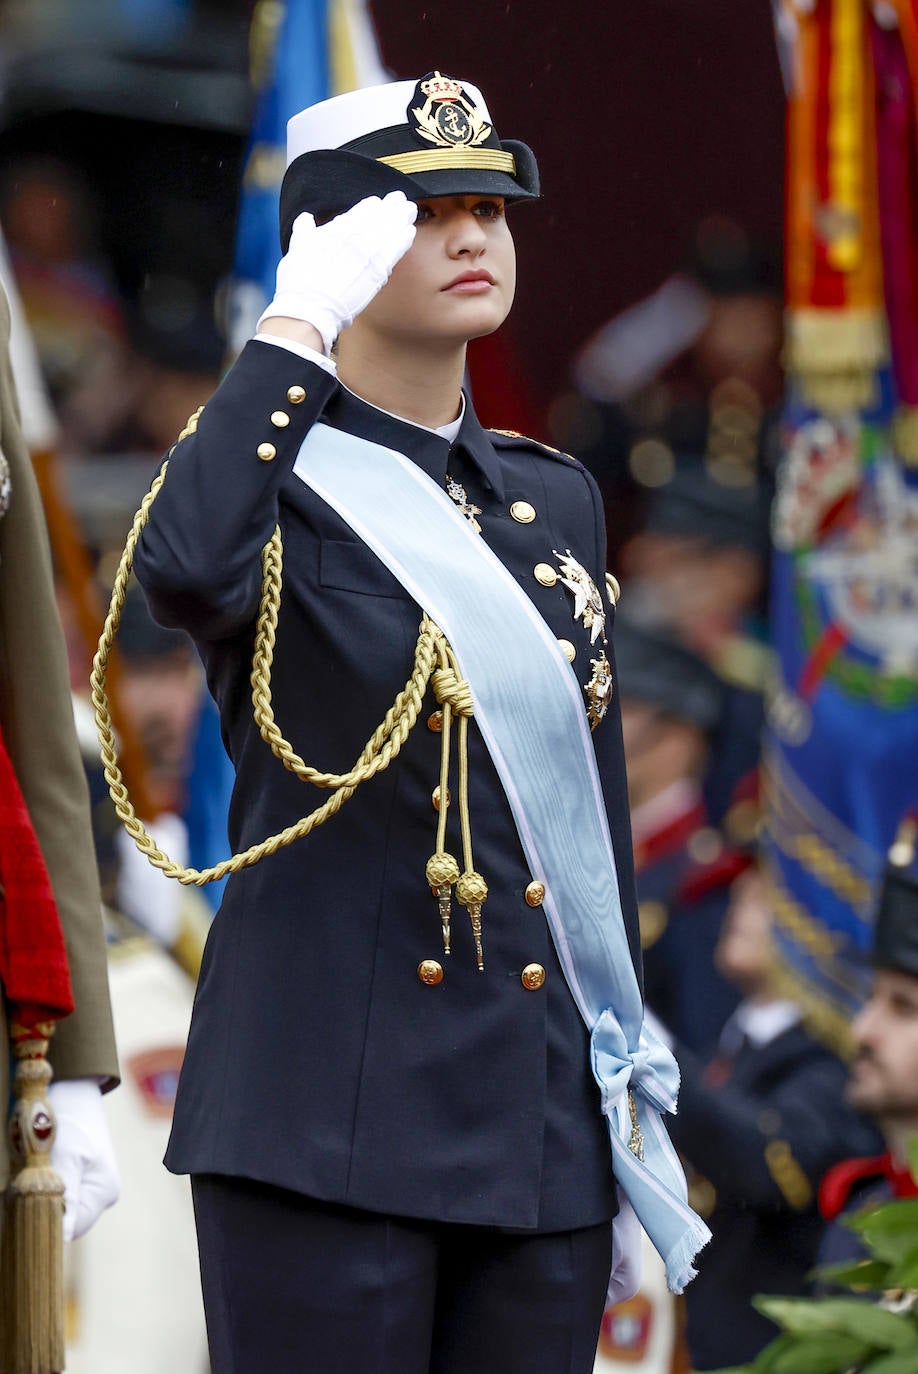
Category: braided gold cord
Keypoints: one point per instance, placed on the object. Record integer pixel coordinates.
(379, 751)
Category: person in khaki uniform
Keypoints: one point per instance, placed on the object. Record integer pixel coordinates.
(36, 719)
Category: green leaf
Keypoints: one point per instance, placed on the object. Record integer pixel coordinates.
(904, 1274)
(842, 1316)
(828, 1353)
(904, 1361)
(889, 1230)
(765, 1360)
(869, 1274)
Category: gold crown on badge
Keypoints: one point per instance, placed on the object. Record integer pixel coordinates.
(444, 114)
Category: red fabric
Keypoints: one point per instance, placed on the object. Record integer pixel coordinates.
(33, 957)
(835, 1188)
(702, 879)
(903, 1185)
(669, 839)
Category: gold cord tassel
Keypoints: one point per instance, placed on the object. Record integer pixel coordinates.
(33, 1246)
(454, 695)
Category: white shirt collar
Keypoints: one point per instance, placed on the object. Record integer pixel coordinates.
(759, 1023)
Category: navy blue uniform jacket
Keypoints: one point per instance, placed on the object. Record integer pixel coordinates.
(317, 1060)
(764, 1139)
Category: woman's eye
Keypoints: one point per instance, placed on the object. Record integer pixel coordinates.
(490, 209)
(424, 213)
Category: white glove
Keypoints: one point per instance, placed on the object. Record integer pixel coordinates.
(627, 1266)
(83, 1153)
(144, 893)
(332, 271)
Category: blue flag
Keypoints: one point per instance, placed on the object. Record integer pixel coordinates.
(841, 756)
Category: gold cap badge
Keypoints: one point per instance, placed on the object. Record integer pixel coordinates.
(440, 112)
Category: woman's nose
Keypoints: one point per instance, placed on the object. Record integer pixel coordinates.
(467, 235)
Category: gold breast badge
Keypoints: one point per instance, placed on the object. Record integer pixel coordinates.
(598, 689)
(456, 492)
(587, 601)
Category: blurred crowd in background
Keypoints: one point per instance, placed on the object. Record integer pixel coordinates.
(123, 131)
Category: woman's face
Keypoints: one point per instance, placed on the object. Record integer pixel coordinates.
(457, 280)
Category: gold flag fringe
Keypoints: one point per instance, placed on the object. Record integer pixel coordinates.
(835, 354)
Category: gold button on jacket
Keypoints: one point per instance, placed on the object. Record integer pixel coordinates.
(266, 452)
(535, 893)
(296, 395)
(430, 972)
(567, 649)
(546, 574)
(532, 977)
(280, 419)
(522, 512)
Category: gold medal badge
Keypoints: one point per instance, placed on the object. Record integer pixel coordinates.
(441, 113)
(587, 601)
(598, 689)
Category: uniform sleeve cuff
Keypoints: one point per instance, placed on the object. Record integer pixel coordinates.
(311, 355)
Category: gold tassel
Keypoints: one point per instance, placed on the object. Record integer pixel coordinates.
(33, 1244)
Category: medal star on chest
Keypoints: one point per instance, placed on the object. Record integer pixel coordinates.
(587, 601)
(457, 493)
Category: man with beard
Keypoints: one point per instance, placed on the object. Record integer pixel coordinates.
(883, 1080)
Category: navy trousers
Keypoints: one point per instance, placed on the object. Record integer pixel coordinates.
(310, 1287)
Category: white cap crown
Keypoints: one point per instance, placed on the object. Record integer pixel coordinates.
(339, 120)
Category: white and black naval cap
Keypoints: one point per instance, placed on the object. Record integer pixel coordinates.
(895, 935)
(432, 137)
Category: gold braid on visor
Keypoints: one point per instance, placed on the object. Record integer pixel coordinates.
(445, 159)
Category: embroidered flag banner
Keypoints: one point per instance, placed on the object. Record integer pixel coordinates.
(841, 754)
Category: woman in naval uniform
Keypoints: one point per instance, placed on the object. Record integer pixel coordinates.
(398, 1153)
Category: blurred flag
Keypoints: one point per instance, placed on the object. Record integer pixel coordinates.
(841, 757)
(302, 51)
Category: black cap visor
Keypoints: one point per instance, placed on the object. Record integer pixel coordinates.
(328, 181)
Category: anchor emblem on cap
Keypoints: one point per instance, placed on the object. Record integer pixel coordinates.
(442, 113)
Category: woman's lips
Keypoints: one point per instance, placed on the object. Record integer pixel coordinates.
(471, 284)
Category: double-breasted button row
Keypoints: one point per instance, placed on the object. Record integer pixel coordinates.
(430, 972)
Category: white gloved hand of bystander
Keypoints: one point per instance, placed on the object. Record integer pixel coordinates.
(627, 1263)
(83, 1153)
(332, 271)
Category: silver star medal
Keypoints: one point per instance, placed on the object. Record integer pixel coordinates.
(456, 491)
(588, 605)
(587, 601)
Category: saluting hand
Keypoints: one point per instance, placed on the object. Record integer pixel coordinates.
(332, 271)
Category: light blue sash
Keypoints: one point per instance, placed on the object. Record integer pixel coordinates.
(530, 710)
